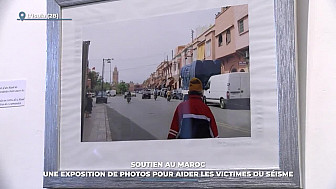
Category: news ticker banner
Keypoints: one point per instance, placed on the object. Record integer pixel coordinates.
(170, 174)
(166, 170)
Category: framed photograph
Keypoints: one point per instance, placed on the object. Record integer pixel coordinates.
(126, 79)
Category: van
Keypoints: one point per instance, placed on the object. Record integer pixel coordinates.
(111, 93)
(231, 90)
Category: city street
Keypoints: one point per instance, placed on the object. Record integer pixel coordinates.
(147, 119)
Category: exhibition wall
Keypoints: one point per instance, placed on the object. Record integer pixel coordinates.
(320, 151)
(22, 57)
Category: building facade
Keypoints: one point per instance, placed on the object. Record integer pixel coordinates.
(176, 66)
(227, 40)
(131, 86)
(232, 39)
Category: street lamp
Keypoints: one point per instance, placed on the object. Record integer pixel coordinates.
(108, 60)
(111, 72)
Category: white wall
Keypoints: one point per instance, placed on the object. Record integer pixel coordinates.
(22, 56)
(321, 96)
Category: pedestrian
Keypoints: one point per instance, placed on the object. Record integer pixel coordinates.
(155, 93)
(168, 94)
(193, 118)
(88, 107)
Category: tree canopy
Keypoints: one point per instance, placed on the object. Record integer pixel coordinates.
(122, 87)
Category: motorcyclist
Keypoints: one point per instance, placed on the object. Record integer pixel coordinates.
(128, 96)
(168, 95)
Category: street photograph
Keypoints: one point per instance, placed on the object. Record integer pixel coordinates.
(177, 76)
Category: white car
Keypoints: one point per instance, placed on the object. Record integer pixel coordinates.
(92, 94)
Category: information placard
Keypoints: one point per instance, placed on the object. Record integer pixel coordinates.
(12, 93)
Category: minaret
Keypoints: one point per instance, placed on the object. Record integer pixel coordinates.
(115, 76)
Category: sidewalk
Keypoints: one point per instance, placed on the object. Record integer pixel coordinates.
(96, 127)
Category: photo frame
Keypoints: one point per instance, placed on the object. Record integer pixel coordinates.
(287, 108)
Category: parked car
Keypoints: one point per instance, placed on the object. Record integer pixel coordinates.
(101, 97)
(229, 89)
(146, 94)
(111, 93)
(177, 94)
(93, 95)
(163, 92)
(158, 92)
(133, 94)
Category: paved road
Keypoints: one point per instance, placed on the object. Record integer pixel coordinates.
(232, 123)
(147, 119)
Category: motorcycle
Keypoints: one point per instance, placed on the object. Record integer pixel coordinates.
(128, 99)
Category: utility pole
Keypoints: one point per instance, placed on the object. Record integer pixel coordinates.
(108, 61)
(111, 72)
(102, 81)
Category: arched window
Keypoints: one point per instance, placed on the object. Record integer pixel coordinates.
(233, 70)
(242, 70)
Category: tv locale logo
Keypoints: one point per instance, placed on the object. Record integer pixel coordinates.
(32, 16)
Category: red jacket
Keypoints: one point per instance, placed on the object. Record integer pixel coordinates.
(187, 118)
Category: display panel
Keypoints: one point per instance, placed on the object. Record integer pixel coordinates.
(240, 153)
(153, 60)
(125, 118)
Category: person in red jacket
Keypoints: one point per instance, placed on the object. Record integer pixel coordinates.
(193, 118)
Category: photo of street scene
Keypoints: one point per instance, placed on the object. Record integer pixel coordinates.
(173, 76)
